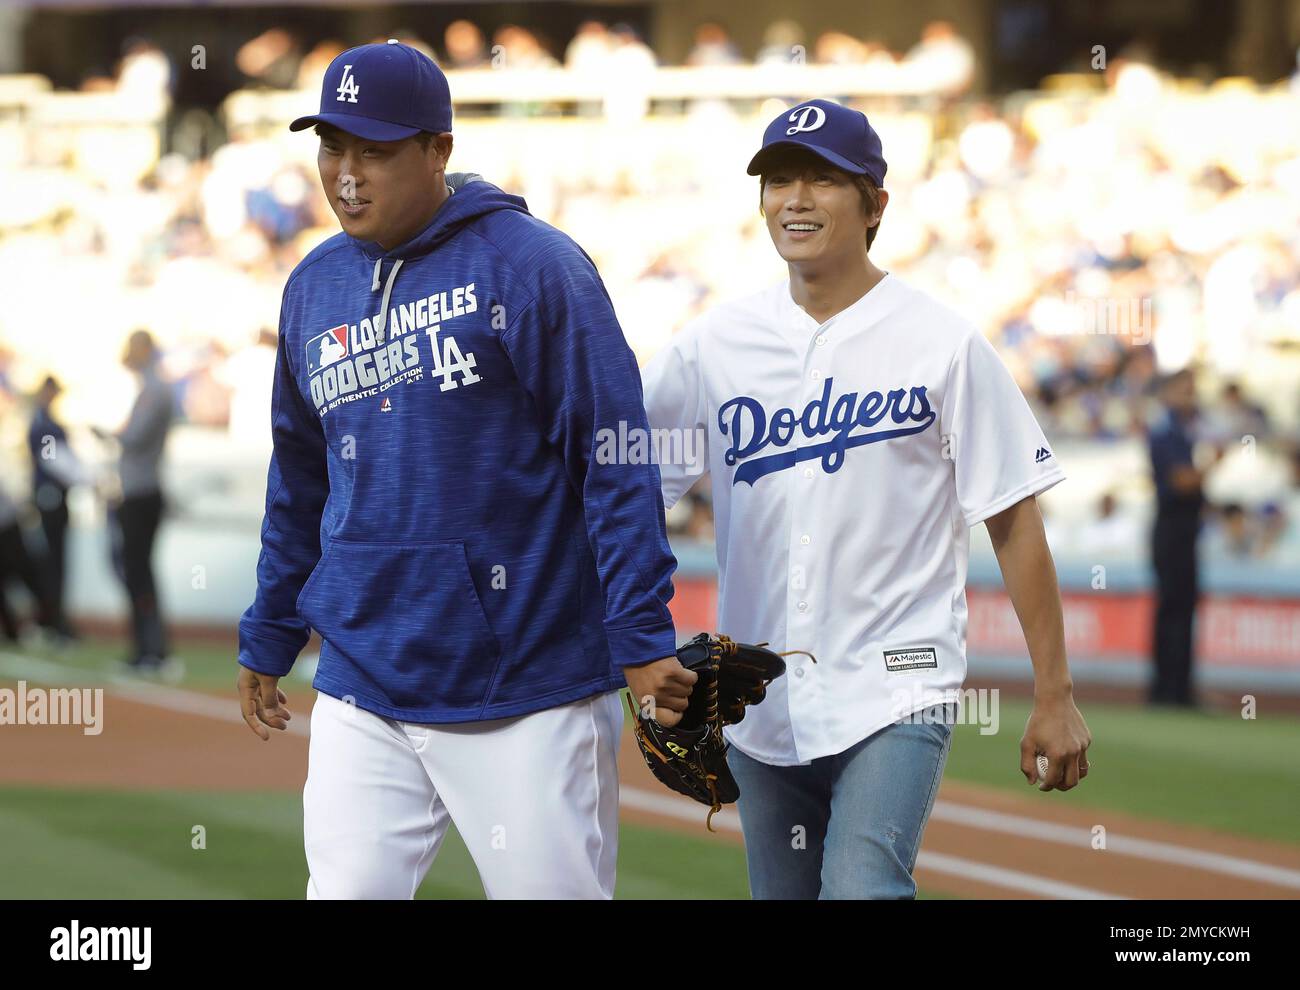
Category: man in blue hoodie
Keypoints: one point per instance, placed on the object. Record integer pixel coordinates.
(482, 582)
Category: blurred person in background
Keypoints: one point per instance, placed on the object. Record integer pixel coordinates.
(629, 51)
(699, 525)
(466, 46)
(838, 48)
(272, 59)
(783, 44)
(55, 469)
(144, 73)
(1234, 535)
(142, 441)
(521, 48)
(1290, 507)
(942, 59)
(713, 46)
(1238, 416)
(631, 68)
(9, 626)
(1179, 498)
(17, 563)
(1111, 531)
(589, 48)
(1271, 531)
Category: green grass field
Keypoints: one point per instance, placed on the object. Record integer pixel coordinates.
(1218, 771)
(107, 844)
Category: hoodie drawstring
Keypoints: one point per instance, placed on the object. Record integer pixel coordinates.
(382, 323)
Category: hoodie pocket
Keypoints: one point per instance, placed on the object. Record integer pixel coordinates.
(407, 616)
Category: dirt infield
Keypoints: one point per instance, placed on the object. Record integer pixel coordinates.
(189, 740)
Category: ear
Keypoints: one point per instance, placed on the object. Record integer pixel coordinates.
(441, 146)
(883, 198)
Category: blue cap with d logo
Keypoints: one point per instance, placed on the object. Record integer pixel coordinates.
(383, 93)
(834, 133)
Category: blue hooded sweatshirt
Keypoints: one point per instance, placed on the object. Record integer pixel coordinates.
(435, 507)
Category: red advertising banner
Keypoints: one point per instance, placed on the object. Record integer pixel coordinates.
(1230, 630)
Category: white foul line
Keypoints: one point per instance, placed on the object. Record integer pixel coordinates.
(197, 703)
(1081, 838)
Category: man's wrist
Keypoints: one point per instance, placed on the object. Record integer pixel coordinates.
(1053, 689)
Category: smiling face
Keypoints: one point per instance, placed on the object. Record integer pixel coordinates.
(382, 191)
(816, 212)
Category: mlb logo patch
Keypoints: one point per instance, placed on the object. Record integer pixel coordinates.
(326, 348)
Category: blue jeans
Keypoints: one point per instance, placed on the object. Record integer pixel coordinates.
(846, 826)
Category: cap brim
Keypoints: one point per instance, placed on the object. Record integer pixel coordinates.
(363, 127)
(839, 161)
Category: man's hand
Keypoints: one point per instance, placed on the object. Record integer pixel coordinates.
(261, 700)
(1057, 730)
(661, 689)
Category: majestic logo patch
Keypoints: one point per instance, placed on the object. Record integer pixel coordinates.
(919, 658)
(1041, 455)
(746, 421)
(326, 348)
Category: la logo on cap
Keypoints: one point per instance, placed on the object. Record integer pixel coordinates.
(348, 88)
(807, 118)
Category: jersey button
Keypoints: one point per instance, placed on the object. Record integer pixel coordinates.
(821, 339)
(807, 472)
(802, 606)
(798, 672)
(805, 539)
(816, 375)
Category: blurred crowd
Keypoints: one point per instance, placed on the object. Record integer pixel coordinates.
(1100, 239)
(940, 60)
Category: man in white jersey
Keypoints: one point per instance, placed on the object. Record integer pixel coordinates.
(857, 429)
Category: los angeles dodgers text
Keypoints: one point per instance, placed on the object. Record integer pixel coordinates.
(344, 363)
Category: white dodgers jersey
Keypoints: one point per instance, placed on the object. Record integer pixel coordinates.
(849, 461)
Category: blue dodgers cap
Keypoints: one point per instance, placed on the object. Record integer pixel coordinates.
(834, 133)
(383, 93)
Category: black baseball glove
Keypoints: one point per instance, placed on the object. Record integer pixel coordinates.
(691, 756)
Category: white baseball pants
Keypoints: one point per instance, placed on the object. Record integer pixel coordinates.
(535, 798)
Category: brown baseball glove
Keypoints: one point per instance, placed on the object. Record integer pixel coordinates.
(691, 756)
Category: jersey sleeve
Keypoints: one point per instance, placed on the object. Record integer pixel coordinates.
(999, 452)
(675, 402)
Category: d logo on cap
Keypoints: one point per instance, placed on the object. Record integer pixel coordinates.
(801, 117)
